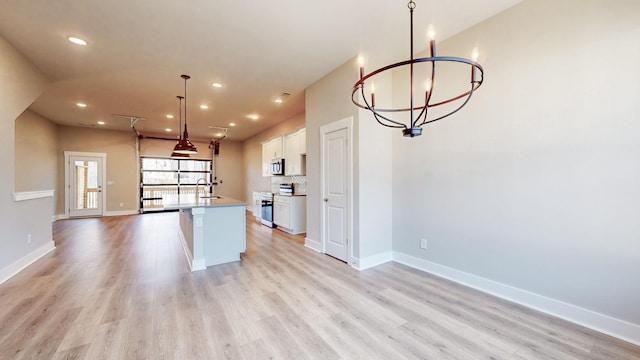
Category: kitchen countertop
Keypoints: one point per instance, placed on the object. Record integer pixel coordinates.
(189, 201)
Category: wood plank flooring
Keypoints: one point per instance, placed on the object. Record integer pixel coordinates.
(120, 288)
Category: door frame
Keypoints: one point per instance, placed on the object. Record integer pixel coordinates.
(346, 123)
(67, 185)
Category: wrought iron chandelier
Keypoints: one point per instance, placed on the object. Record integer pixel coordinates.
(184, 146)
(414, 126)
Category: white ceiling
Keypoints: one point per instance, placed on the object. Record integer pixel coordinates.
(137, 51)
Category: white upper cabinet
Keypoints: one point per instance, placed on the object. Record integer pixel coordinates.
(295, 149)
(271, 149)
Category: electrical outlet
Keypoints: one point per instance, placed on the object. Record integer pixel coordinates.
(29, 239)
(423, 244)
(121, 204)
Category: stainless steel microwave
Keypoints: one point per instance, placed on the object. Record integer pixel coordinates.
(277, 166)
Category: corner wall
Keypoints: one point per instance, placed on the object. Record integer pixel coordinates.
(326, 101)
(25, 226)
(35, 155)
(230, 171)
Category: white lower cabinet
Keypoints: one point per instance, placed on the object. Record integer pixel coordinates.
(257, 205)
(290, 213)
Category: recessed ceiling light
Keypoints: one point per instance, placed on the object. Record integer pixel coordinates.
(232, 124)
(203, 106)
(77, 41)
(253, 117)
(278, 101)
(82, 105)
(169, 116)
(217, 85)
(167, 130)
(100, 122)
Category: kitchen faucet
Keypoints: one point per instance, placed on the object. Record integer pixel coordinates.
(198, 184)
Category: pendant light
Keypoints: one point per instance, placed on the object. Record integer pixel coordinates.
(184, 146)
(174, 154)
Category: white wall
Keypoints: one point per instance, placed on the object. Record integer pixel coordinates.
(20, 84)
(374, 197)
(36, 148)
(326, 101)
(536, 183)
(230, 170)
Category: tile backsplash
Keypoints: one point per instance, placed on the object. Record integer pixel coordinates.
(299, 181)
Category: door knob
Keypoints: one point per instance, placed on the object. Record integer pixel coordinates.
(325, 199)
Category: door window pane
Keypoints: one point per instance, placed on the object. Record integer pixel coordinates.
(195, 165)
(159, 164)
(157, 177)
(86, 184)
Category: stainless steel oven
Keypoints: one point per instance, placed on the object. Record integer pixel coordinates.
(267, 209)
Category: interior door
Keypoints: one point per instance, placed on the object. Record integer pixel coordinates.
(85, 186)
(336, 160)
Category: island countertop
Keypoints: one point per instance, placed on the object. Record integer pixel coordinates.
(189, 201)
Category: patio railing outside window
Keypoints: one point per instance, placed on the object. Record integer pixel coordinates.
(162, 176)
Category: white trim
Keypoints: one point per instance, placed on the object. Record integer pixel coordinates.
(603, 323)
(371, 261)
(198, 264)
(313, 244)
(194, 265)
(30, 195)
(108, 213)
(103, 156)
(337, 125)
(60, 217)
(19, 265)
(121, 213)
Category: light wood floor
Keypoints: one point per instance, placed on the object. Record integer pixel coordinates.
(120, 288)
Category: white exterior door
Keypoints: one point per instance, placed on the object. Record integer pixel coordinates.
(336, 188)
(85, 175)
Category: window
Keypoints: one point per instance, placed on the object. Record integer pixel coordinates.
(161, 176)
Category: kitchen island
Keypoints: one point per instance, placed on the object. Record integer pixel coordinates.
(212, 229)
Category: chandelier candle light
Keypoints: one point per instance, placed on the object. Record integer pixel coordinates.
(184, 146)
(414, 126)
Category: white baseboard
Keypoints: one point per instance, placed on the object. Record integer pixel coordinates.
(371, 261)
(108, 213)
(312, 244)
(194, 264)
(198, 264)
(593, 320)
(121, 213)
(11, 270)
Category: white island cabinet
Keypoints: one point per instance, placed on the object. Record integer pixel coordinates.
(213, 231)
(290, 213)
